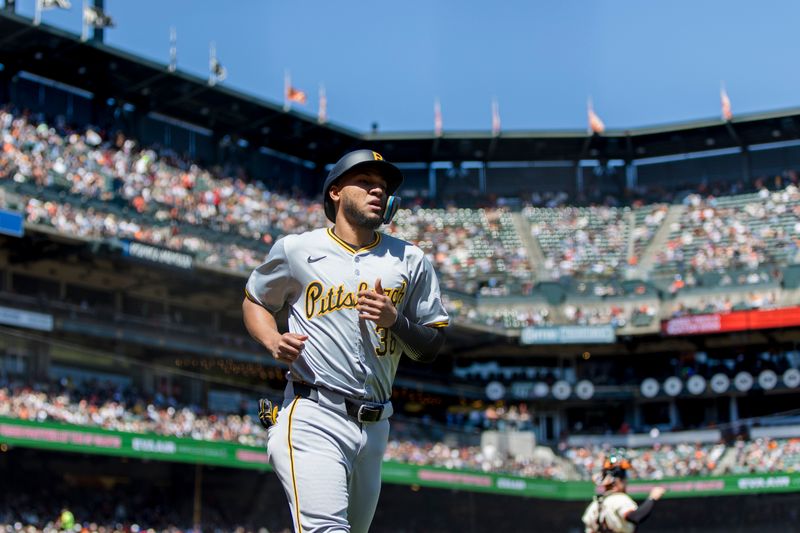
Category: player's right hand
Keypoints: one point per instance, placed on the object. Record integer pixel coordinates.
(288, 347)
(656, 493)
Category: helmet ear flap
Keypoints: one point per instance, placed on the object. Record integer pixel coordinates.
(391, 173)
(392, 205)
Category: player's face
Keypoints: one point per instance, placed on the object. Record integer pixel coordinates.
(363, 197)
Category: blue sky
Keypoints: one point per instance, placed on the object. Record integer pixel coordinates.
(644, 62)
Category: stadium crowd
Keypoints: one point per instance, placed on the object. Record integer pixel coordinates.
(97, 185)
(53, 509)
(581, 241)
(739, 233)
(160, 198)
(113, 408)
(486, 459)
(474, 250)
(766, 455)
(110, 187)
(21, 514)
(503, 318)
(725, 304)
(658, 462)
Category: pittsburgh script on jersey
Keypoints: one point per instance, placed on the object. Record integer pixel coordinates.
(320, 301)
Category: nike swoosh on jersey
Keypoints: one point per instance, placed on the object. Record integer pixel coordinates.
(315, 259)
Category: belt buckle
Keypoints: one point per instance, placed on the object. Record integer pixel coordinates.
(369, 413)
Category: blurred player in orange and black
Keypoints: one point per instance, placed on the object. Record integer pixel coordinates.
(612, 510)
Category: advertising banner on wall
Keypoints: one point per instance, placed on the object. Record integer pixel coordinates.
(80, 439)
(156, 254)
(12, 223)
(25, 319)
(736, 321)
(568, 335)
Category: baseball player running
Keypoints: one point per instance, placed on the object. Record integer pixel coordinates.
(613, 511)
(357, 300)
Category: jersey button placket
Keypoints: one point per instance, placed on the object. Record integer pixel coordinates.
(360, 343)
(359, 347)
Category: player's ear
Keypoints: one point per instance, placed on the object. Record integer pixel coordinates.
(335, 192)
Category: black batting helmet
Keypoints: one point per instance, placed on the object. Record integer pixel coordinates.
(352, 160)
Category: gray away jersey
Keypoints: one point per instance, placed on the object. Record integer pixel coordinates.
(318, 275)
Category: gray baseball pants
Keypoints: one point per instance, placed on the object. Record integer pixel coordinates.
(328, 462)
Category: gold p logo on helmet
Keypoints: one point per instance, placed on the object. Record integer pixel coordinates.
(377, 156)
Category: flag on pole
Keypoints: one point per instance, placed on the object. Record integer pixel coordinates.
(94, 17)
(97, 18)
(173, 49)
(727, 114)
(291, 93)
(287, 83)
(45, 5)
(296, 95)
(595, 124)
(216, 72)
(322, 114)
(437, 118)
(84, 23)
(495, 118)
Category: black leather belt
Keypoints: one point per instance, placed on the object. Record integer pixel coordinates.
(360, 410)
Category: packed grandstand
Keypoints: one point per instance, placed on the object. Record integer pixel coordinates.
(82, 182)
(117, 409)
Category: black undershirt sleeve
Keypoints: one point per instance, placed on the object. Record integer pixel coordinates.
(421, 342)
(640, 515)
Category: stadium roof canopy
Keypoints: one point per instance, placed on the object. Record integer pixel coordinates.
(108, 72)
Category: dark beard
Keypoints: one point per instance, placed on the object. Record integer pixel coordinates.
(359, 218)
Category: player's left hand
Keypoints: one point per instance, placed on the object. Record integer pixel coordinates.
(376, 306)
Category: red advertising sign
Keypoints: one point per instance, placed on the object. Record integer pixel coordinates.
(736, 321)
